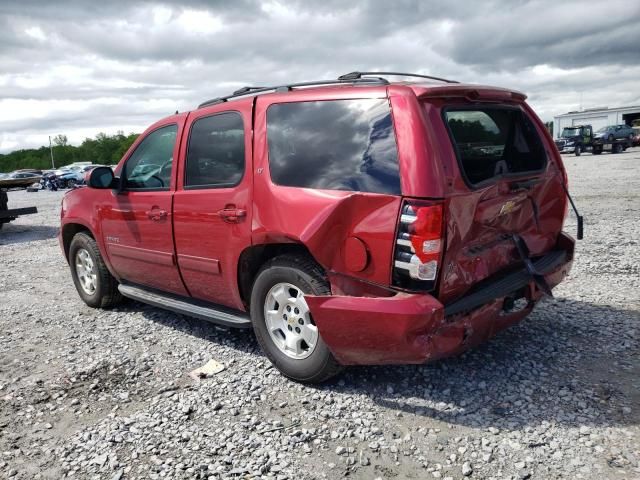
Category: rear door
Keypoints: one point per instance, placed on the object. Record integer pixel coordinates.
(212, 206)
(136, 223)
(508, 184)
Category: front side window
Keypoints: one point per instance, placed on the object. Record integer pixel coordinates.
(334, 145)
(215, 155)
(149, 166)
(493, 142)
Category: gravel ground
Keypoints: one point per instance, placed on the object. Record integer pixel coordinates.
(104, 394)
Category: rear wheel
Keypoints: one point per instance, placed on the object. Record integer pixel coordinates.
(283, 323)
(94, 283)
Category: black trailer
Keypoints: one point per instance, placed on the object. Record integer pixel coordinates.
(7, 215)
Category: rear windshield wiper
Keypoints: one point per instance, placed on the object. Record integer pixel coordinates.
(575, 210)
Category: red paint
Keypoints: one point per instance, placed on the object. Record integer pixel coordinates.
(201, 231)
(355, 254)
(189, 241)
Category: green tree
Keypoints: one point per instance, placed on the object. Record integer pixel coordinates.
(103, 149)
(60, 140)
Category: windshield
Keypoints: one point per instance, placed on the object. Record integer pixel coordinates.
(603, 129)
(570, 132)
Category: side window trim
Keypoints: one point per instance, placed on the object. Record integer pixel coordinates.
(124, 164)
(215, 186)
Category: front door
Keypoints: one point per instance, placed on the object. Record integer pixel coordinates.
(136, 224)
(212, 204)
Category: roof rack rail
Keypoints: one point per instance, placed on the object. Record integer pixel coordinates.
(245, 90)
(359, 75)
(241, 92)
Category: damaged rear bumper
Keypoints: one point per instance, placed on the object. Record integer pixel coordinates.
(416, 328)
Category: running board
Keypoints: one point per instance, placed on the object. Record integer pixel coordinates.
(185, 306)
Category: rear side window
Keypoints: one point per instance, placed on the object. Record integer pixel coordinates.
(215, 156)
(334, 145)
(493, 142)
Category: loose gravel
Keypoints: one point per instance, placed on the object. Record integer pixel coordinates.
(106, 394)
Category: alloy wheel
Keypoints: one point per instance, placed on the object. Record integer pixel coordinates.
(289, 322)
(86, 271)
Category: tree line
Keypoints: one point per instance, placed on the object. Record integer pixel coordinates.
(103, 150)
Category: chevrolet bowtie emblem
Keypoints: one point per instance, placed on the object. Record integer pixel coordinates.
(508, 207)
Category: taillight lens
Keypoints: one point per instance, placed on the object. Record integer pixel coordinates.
(419, 246)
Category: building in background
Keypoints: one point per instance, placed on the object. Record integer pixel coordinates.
(596, 117)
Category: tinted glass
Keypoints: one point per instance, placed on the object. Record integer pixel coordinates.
(336, 145)
(493, 142)
(215, 155)
(149, 166)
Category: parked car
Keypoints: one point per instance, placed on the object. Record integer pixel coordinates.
(71, 175)
(69, 178)
(614, 132)
(355, 221)
(19, 179)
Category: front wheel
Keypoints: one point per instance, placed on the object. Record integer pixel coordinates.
(94, 283)
(578, 150)
(283, 323)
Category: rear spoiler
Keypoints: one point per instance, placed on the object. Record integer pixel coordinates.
(475, 94)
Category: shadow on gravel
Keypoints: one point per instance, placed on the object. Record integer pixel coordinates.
(14, 233)
(240, 339)
(570, 363)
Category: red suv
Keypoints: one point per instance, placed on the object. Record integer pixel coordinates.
(356, 221)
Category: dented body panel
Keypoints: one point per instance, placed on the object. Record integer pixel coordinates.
(413, 328)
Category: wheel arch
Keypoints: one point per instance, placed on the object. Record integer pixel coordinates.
(69, 231)
(254, 257)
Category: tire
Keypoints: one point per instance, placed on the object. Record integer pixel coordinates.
(71, 183)
(308, 363)
(578, 150)
(82, 252)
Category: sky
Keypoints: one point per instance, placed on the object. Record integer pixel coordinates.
(78, 68)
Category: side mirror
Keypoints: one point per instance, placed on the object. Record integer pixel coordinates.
(101, 177)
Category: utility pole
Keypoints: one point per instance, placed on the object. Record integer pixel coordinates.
(51, 150)
(580, 101)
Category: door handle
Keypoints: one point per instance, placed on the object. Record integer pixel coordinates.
(231, 214)
(156, 214)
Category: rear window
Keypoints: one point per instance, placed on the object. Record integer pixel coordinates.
(334, 145)
(494, 142)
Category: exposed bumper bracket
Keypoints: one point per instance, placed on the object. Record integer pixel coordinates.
(507, 284)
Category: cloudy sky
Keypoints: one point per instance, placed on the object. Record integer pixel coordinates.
(79, 68)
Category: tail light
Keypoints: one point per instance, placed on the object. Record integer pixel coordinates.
(419, 245)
